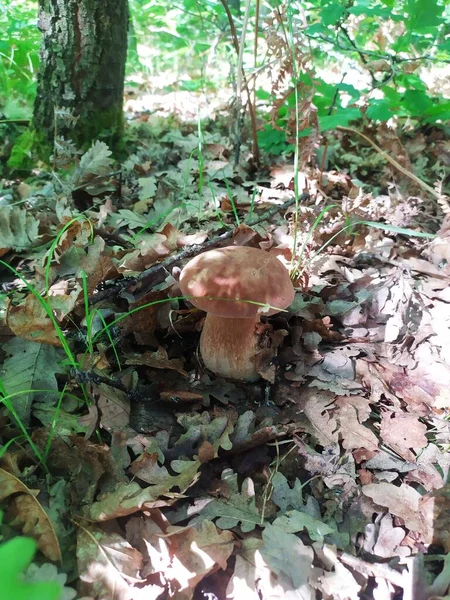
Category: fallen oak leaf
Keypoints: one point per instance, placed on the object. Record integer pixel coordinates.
(403, 502)
(156, 360)
(286, 554)
(108, 565)
(147, 468)
(350, 413)
(196, 553)
(232, 507)
(29, 514)
(31, 321)
(19, 229)
(127, 499)
(403, 431)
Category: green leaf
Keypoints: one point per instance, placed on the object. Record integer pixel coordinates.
(350, 89)
(272, 140)
(438, 112)
(339, 307)
(342, 117)
(31, 366)
(15, 556)
(379, 110)
(331, 14)
(263, 94)
(317, 28)
(370, 9)
(294, 521)
(416, 101)
(286, 553)
(423, 14)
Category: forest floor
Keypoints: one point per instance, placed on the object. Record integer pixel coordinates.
(146, 476)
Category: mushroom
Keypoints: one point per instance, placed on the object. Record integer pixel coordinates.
(235, 285)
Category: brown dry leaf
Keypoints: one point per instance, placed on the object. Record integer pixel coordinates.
(177, 239)
(389, 538)
(206, 452)
(89, 420)
(340, 584)
(144, 532)
(63, 297)
(151, 249)
(401, 501)
(142, 322)
(196, 553)
(114, 407)
(156, 360)
(89, 467)
(438, 251)
(419, 388)
(350, 413)
(29, 514)
(31, 322)
(323, 426)
(78, 235)
(217, 150)
(109, 567)
(402, 431)
(183, 555)
(97, 263)
(283, 176)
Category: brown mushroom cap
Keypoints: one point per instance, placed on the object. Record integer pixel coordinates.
(220, 281)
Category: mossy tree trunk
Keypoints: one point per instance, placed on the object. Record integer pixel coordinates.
(82, 70)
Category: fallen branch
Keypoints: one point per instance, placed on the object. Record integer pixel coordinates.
(157, 273)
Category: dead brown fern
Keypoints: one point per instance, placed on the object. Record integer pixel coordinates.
(288, 60)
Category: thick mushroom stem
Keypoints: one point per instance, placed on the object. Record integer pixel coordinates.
(227, 346)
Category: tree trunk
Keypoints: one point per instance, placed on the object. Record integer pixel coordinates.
(82, 70)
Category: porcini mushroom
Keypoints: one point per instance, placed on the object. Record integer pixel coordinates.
(235, 286)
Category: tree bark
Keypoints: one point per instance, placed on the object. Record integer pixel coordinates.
(82, 70)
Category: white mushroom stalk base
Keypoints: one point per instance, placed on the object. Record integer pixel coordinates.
(228, 345)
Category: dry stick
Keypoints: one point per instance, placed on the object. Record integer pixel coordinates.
(393, 162)
(255, 50)
(157, 273)
(240, 73)
(251, 108)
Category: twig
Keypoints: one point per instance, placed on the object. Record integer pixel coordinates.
(91, 376)
(157, 273)
(393, 162)
(376, 55)
(251, 108)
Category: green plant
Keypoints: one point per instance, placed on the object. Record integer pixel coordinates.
(15, 556)
(387, 49)
(19, 47)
